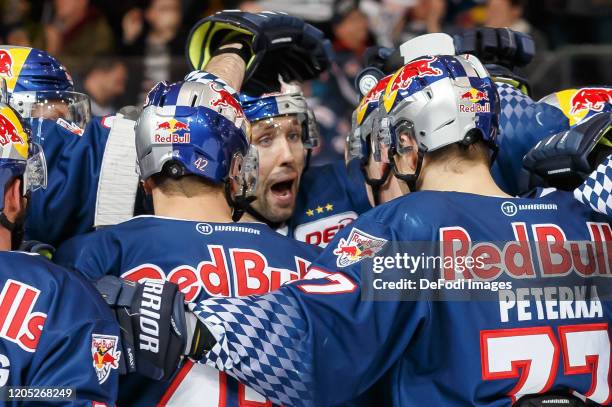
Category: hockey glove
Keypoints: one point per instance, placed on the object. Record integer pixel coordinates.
(152, 320)
(564, 160)
(278, 44)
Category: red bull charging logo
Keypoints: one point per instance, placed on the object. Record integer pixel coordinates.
(403, 78)
(8, 132)
(223, 101)
(105, 355)
(6, 64)
(172, 131)
(419, 68)
(470, 102)
(594, 99)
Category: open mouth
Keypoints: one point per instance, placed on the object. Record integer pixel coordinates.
(283, 191)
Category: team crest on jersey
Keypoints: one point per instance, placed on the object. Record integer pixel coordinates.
(105, 355)
(358, 246)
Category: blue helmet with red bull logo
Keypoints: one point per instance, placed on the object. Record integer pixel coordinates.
(195, 128)
(438, 101)
(40, 86)
(290, 101)
(19, 156)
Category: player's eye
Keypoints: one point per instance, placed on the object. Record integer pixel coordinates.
(264, 141)
(294, 136)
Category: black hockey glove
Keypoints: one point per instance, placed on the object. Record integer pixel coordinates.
(152, 320)
(566, 159)
(278, 44)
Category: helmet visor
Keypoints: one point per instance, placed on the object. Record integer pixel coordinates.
(312, 136)
(353, 140)
(381, 136)
(74, 107)
(35, 176)
(245, 172)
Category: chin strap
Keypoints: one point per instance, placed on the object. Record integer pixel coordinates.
(409, 179)
(375, 183)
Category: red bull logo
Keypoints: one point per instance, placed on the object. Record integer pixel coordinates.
(419, 68)
(474, 95)
(591, 99)
(8, 132)
(6, 64)
(223, 100)
(358, 246)
(105, 355)
(470, 102)
(172, 131)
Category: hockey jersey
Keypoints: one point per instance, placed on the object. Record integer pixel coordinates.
(55, 331)
(205, 260)
(67, 206)
(448, 335)
(522, 123)
(330, 197)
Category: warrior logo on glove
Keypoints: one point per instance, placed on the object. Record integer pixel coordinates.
(105, 355)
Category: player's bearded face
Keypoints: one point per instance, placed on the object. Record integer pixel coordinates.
(281, 162)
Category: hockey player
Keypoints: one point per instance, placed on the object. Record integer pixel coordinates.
(58, 338)
(195, 160)
(308, 204)
(84, 157)
(503, 346)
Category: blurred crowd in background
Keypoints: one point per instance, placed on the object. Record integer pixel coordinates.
(117, 50)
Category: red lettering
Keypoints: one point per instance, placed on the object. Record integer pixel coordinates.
(23, 309)
(555, 260)
(486, 255)
(7, 298)
(603, 247)
(213, 274)
(449, 237)
(25, 326)
(186, 278)
(329, 233)
(35, 325)
(249, 268)
(313, 238)
(584, 269)
(513, 251)
(144, 272)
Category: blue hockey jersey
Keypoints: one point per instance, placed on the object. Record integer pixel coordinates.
(67, 206)
(205, 260)
(55, 331)
(522, 123)
(330, 197)
(425, 335)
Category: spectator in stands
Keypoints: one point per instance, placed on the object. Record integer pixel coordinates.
(155, 34)
(104, 82)
(335, 89)
(509, 13)
(78, 29)
(424, 16)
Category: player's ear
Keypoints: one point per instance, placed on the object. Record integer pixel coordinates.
(408, 153)
(147, 186)
(13, 199)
